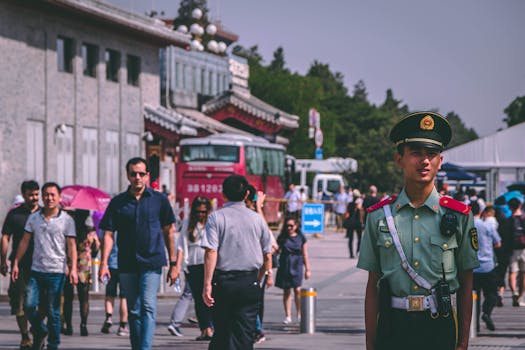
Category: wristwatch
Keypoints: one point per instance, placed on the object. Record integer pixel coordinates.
(173, 263)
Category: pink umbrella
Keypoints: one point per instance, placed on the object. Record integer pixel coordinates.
(84, 197)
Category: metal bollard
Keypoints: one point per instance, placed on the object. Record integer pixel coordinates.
(474, 321)
(95, 266)
(308, 305)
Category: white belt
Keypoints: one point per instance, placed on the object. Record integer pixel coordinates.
(412, 302)
(417, 302)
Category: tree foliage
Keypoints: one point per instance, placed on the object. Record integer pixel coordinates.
(461, 133)
(515, 111)
(352, 125)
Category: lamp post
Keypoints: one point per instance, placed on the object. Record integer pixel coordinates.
(197, 31)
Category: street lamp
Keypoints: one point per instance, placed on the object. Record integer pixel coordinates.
(197, 31)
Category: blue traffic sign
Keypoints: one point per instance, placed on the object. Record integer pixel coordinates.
(319, 153)
(312, 220)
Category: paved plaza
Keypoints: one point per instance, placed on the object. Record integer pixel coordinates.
(340, 323)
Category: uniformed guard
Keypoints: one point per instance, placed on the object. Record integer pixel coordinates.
(420, 250)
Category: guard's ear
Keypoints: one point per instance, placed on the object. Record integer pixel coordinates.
(397, 159)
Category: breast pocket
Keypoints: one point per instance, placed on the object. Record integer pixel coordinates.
(443, 250)
(388, 257)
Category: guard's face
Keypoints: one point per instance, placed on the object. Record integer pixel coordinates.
(138, 177)
(419, 164)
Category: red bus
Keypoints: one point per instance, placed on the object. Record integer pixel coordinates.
(205, 162)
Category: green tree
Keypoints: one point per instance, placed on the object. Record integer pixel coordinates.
(184, 16)
(460, 133)
(515, 111)
(278, 62)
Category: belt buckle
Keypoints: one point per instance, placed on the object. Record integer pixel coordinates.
(415, 303)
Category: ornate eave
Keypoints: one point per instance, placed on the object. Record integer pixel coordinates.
(170, 121)
(252, 106)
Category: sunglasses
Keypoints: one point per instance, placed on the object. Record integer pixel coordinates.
(201, 211)
(139, 173)
(290, 226)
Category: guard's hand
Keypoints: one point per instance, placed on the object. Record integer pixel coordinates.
(173, 274)
(104, 271)
(14, 272)
(4, 268)
(261, 196)
(206, 295)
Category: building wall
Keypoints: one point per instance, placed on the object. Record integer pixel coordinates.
(33, 92)
(191, 74)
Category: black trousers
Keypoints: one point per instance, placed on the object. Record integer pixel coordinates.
(237, 296)
(417, 331)
(487, 283)
(195, 278)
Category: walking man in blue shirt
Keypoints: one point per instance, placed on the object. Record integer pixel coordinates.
(144, 221)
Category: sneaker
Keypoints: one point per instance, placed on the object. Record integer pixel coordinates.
(123, 331)
(515, 300)
(522, 303)
(106, 326)
(299, 318)
(488, 322)
(287, 320)
(259, 338)
(175, 331)
(204, 337)
(26, 344)
(499, 303)
(192, 320)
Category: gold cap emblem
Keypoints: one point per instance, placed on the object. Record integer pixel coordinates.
(427, 123)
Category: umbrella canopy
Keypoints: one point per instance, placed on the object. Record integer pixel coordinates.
(502, 201)
(84, 197)
(455, 172)
(517, 186)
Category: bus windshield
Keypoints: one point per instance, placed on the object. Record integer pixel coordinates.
(214, 153)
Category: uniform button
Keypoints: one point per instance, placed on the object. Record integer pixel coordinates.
(387, 244)
(445, 246)
(416, 263)
(415, 287)
(416, 217)
(416, 239)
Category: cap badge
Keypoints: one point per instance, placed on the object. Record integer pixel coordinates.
(427, 123)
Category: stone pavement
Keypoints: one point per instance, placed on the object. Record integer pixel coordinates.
(340, 322)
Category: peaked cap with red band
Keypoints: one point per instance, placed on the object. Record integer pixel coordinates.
(451, 203)
(381, 204)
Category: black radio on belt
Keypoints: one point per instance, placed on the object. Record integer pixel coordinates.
(443, 299)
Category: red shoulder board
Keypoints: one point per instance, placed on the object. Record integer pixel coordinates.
(451, 203)
(381, 204)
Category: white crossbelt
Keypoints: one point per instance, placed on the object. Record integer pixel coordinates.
(432, 305)
(412, 302)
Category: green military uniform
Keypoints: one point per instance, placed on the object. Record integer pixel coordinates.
(437, 238)
(425, 247)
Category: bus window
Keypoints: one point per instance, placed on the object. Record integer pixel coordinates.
(217, 153)
(265, 161)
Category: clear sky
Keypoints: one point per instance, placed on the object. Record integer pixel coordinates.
(466, 56)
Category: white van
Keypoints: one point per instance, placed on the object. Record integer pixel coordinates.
(329, 183)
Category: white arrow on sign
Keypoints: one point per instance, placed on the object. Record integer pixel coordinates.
(314, 223)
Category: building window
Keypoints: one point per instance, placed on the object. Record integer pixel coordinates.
(112, 58)
(133, 65)
(203, 81)
(225, 82)
(90, 157)
(89, 60)
(178, 75)
(184, 77)
(64, 141)
(112, 162)
(132, 149)
(35, 151)
(210, 83)
(65, 54)
(194, 79)
(219, 88)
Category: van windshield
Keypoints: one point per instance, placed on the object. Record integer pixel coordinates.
(333, 185)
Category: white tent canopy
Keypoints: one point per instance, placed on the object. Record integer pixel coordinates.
(500, 155)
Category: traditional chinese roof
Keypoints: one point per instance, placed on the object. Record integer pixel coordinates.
(171, 120)
(253, 106)
(151, 29)
(211, 125)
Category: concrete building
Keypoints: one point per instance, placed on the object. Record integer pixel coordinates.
(76, 76)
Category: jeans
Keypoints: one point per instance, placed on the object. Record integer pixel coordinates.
(50, 286)
(140, 289)
(179, 311)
